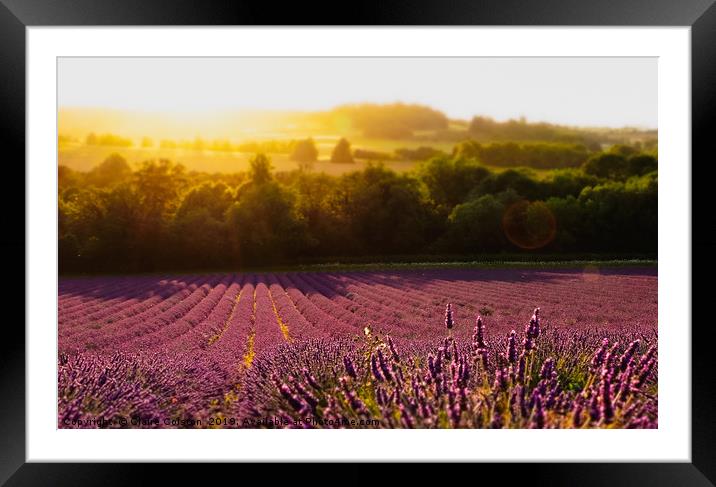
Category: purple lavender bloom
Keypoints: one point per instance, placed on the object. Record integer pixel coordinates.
(610, 360)
(643, 374)
(648, 355)
(536, 331)
(496, 422)
(448, 317)
(537, 412)
(628, 355)
(296, 403)
(439, 361)
(512, 347)
(607, 408)
(350, 370)
(310, 379)
(374, 368)
(484, 358)
(500, 380)
(379, 396)
(577, 413)
(625, 384)
(521, 368)
(384, 366)
(393, 351)
(431, 366)
(594, 411)
(405, 417)
(598, 358)
(532, 329)
(455, 413)
(547, 369)
(479, 333)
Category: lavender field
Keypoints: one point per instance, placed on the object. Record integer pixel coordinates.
(470, 348)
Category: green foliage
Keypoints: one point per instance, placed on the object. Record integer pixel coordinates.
(538, 155)
(305, 153)
(264, 226)
(518, 180)
(476, 226)
(392, 121)
(486, 129)
(419, 154)
(449, 180)
(112, 170)
(342, 152)
(641, 164)
(260, 171)
(386, 212)
(158, 216)
(607, 166)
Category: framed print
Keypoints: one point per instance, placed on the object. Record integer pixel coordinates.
(253, 238)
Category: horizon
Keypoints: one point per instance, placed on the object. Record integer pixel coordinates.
(575, 92)
(279, 111)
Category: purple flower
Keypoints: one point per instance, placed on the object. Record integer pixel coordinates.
(547, 369)
(628, 355)
(496, 422)
(310, 379)
(393, 351)
(384, 366)
(512, 347)
(500, 380)
(521, 366)
(577, 413)
(405, 417)
(607, 408)
(374, 368)
(479, 335)
(643, 374)
(537, 421)
(348, 364)
(296, 403)
(598, 358)
(448, 317)
(594, 412)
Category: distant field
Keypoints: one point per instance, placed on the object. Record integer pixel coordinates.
(84, 157)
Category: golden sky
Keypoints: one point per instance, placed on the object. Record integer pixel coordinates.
(612, 92)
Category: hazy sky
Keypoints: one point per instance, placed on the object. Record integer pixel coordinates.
(579, 91)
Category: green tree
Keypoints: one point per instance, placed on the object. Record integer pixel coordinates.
(342, 152)
(386, 212)
(264, 225)
(449, 180)
(113, 170)
(305, 153)
(260, 171)
(519, 180)
(607, 166)
(476, 226)
(319, 203)
(642, 164)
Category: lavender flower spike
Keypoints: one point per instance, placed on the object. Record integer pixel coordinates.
(449, 323)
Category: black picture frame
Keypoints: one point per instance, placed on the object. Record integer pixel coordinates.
(16, 15)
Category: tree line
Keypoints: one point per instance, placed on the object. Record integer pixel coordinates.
(158, 216)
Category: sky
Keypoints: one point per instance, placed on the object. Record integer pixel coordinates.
(605, 92)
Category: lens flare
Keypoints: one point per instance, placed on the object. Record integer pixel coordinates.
(529, 225)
